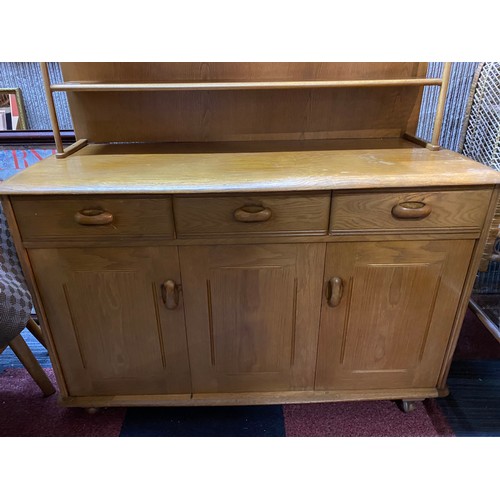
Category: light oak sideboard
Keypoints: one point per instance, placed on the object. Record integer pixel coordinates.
(229, 233)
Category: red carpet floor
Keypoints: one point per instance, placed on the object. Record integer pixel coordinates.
(360, 419)
(24, 412)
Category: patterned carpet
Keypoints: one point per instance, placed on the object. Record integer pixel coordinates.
(472, 409)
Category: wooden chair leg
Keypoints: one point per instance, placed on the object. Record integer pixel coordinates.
(36, 331)
(23, 352)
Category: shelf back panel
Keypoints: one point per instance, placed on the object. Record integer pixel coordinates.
(242, 115)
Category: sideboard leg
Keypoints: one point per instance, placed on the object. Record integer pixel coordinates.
(407, 405)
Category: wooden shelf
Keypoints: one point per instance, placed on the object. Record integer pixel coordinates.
(140, 87)
(212, 116)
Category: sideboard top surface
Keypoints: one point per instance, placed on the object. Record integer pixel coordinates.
(223, 168)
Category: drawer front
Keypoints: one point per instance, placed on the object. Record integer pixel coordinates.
(439, 210)
(91, 216)
(226, 215)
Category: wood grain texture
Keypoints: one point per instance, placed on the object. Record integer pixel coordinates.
(252, 315)
(242, 114)
(392, 327)
(306, 213)
(54, 217)
(248, 398)
(111, 330)
(368, 211)
(243, 172)
(248, 239)
(116, 72)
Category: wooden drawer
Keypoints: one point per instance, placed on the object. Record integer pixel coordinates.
(396, 211)
(228, 215)
(80, 217)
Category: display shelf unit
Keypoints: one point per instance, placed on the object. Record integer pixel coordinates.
(50, 88)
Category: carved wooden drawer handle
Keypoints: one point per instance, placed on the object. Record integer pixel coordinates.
(411, 210)
(334, 291)
(252, 214)
(170, 294)
(93, 217)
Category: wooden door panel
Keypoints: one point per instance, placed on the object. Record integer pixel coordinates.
(391, 328)
(104, 303)
(109, 324)
(252, 315)
(385, 301)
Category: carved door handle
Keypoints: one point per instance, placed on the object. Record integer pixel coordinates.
(334, 291)
(93, 217)
(411, 210)
(170, 294)
(252, 214)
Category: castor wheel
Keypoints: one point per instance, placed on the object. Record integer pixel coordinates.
(407, 405)
(92, 410)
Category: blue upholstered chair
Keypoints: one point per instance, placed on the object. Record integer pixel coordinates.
(15, 310)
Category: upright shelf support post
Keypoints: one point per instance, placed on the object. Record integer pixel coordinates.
(51, 106)
(438, 121)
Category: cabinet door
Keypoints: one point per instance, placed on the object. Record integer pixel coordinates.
(389, 319)
(112, 332)
(252, 315)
